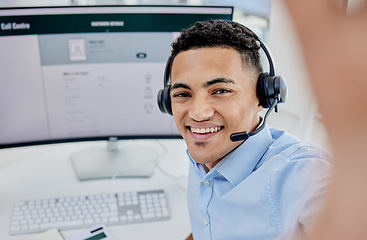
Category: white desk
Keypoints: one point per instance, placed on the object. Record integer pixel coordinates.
(46, 171)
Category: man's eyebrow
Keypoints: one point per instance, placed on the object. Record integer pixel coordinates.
(180, 85)
(207, 84)
(218, 80)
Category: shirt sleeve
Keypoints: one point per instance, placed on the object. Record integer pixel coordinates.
(299, 185)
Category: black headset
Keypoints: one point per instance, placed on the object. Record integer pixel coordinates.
(271, 89)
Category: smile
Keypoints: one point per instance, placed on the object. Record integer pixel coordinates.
(205, 130)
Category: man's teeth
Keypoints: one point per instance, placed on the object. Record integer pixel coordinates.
(205, 130)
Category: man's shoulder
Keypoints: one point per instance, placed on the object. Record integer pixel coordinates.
(296, 165)
(289, 148)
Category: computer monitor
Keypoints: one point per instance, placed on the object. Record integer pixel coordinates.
(87, 73)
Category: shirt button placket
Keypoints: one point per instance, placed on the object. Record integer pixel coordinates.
(207, 192)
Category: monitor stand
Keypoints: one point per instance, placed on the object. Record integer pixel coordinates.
(129, 160)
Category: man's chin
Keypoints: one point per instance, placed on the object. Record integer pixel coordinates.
(200, 143)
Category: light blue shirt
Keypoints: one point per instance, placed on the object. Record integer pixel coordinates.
(270, 187)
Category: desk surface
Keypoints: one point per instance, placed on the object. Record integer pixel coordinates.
(46, 171)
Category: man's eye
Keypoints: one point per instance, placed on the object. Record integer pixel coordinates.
(221, 91)
(181, 95)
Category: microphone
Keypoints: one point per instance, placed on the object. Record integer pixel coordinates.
(241, 136)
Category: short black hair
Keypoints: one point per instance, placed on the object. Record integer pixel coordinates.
(221, 33)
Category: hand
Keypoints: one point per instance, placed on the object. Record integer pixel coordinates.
(334, 48)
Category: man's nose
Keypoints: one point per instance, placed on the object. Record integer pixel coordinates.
(201, 109)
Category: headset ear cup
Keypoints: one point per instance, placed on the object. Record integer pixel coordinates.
(268, 87)
(167, 100)
(160, 97)
(164, 100)
(262, 90)
(164, 95)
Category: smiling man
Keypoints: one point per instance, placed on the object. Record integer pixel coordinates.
(267, 187)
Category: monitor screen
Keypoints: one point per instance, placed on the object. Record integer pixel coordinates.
(88, 72)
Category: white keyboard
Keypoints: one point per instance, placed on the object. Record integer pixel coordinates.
(85, 211)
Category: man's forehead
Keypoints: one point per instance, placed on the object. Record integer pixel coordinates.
(209, 63)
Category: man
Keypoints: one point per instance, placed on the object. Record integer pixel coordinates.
(267, 187)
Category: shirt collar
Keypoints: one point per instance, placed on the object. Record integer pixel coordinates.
(241, 162)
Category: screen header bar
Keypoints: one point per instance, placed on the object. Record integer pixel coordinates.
(86, 19)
